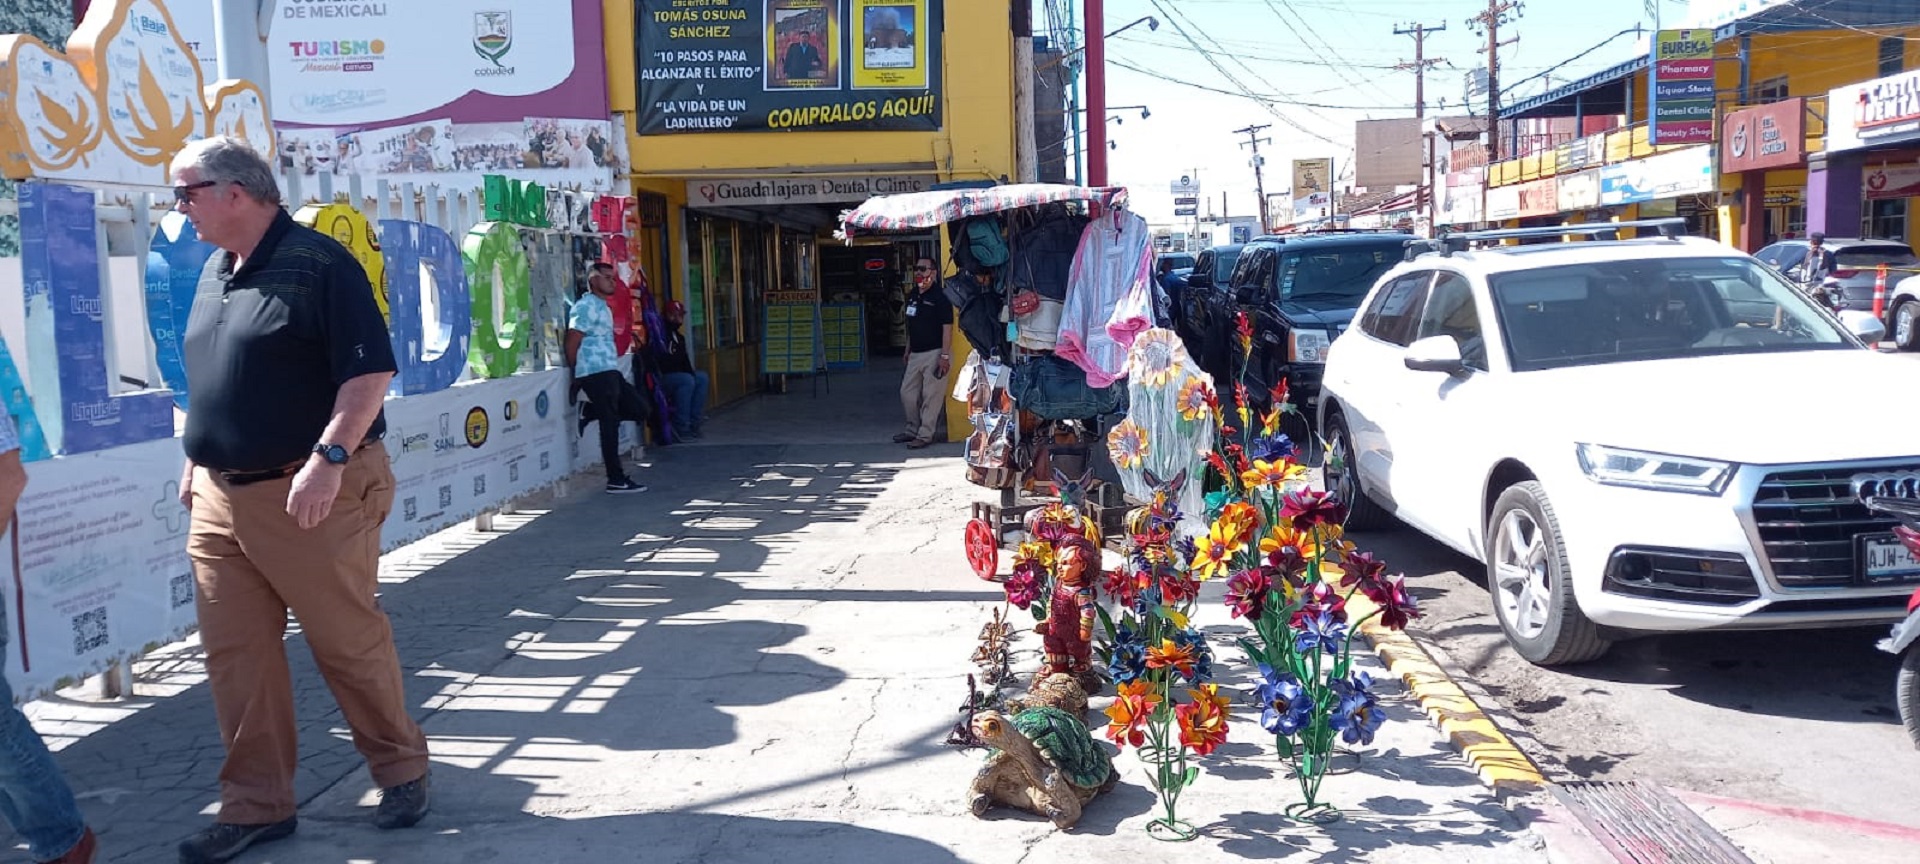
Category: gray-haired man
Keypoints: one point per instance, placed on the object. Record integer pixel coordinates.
(288, 362)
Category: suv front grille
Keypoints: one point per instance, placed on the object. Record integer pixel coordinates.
(1807, 521)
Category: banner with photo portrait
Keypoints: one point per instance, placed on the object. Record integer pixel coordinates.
(790, 65)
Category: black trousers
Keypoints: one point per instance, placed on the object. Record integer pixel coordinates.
(613, 401)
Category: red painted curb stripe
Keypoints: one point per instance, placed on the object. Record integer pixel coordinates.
(1887, 830)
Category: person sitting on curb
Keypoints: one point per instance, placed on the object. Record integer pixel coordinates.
(686, 386)
(596, 372)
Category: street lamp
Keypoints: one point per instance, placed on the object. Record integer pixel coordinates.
(1151, 22)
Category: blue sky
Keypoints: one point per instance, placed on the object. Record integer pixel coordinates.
(1324, 52)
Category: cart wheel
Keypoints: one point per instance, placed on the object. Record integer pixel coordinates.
(983, 550)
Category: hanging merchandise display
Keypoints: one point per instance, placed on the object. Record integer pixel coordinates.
(1115, 258)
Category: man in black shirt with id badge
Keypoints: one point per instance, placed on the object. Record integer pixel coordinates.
(929, 355)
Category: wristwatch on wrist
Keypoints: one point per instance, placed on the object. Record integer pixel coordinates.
(334, 453)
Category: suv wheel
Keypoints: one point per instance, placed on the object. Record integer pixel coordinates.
(1906, 325)
(1363, 513)
(1527, 576)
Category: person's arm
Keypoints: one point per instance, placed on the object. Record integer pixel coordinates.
(360, 352)
(946, 349)
(574, 338)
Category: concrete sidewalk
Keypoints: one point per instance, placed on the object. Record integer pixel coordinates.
(757, 659)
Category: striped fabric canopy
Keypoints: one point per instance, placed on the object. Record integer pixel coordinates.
(917, 210)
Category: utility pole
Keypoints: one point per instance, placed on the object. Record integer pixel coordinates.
(1259, 183)
(1421, 63)
(1498, 12)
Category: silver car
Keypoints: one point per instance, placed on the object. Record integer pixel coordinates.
(1854, 264)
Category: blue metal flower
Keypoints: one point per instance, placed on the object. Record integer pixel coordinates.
(1285, 706)
(1129, 657)
(1357, 715)
(1271, 448)
(1322, 631)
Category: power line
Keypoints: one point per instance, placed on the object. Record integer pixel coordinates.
(1324, 42)
(1267, 103)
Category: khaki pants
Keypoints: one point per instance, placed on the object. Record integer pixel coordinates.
(252, 563)
(923, 394)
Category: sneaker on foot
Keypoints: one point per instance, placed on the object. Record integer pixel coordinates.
(623, 487)
(82, 852)
(903, 438)
(223, 841)
(404, 805)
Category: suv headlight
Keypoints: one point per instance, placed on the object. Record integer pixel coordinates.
(1308, 346)
(1641, 470)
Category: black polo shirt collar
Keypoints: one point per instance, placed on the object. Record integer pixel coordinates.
(282, 223)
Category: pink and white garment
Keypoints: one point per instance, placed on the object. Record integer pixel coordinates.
(1114, 261)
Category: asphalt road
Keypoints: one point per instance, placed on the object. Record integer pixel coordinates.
(1803, 719)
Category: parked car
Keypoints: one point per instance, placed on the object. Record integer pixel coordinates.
(1299, 292)
(1855, 265)
(1601, 426)
(1210, 271)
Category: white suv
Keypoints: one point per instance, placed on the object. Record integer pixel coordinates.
(1656, 434)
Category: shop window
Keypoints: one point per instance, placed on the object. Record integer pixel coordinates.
(697, 269)
(1893, 56)
(754, 271)
(1885, 220)
(725, 290)
(1770, 90)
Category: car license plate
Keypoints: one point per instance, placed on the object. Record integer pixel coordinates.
(1883, 559)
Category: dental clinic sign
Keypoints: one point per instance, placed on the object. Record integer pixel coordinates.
(1882, 111)
(754, 191)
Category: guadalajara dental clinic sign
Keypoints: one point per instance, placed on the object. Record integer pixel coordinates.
(100, 571)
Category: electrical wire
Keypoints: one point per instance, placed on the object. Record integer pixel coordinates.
(1266, 102)
(1302, 20)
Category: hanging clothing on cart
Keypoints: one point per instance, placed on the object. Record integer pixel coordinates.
(1044, 242)
(1115, 258)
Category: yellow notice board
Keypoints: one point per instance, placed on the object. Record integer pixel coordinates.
(792, 339)
(844, 329)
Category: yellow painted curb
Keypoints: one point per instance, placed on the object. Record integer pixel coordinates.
(1492, 754)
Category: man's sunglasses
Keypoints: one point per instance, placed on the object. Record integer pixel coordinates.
(918, 269)
(183, 194)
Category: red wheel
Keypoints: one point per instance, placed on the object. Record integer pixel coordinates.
(983, 549)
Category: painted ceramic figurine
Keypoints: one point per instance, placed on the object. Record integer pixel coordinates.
(1044, 760)
(1067, 634)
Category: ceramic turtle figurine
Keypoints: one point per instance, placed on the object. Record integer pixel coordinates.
(1044, 761)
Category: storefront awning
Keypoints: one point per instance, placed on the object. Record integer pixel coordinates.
(918, 210)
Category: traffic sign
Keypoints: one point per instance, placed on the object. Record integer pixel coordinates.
(1186, 201)
(1186, 185)
(1186, 211)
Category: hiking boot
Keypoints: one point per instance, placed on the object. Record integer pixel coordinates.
(81, 853)
(223, 841)
(402, 806)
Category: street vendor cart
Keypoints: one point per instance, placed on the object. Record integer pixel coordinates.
(1033, 295)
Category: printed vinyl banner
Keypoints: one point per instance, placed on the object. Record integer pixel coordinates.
(99, 551)
(789, 65)
(99, 555)
(465, 449)
(357, 63)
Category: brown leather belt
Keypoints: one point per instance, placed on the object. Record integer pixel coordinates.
(248, 478)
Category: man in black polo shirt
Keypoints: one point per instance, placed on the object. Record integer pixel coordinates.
(288, 362)
(929, 353)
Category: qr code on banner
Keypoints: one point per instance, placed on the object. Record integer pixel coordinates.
(513, 473)
(480, 484)
(546, 460)
(181, 587)
(89, 630)
(446, 496)
(411, 508)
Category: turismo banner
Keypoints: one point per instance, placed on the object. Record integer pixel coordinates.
(789, 65)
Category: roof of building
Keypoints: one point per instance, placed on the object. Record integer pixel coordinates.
(1605, 92)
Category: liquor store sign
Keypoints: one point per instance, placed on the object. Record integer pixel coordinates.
(754, 191)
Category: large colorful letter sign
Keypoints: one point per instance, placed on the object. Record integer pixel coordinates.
(173, 275)
(425, 258)
(60, 264)
(343, 223)
(497, 279)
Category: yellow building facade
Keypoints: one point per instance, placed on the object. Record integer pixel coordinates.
(1753, 207)
(733, 219)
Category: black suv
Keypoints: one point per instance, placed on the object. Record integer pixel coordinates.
(1300, 291)
(1198, 296)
